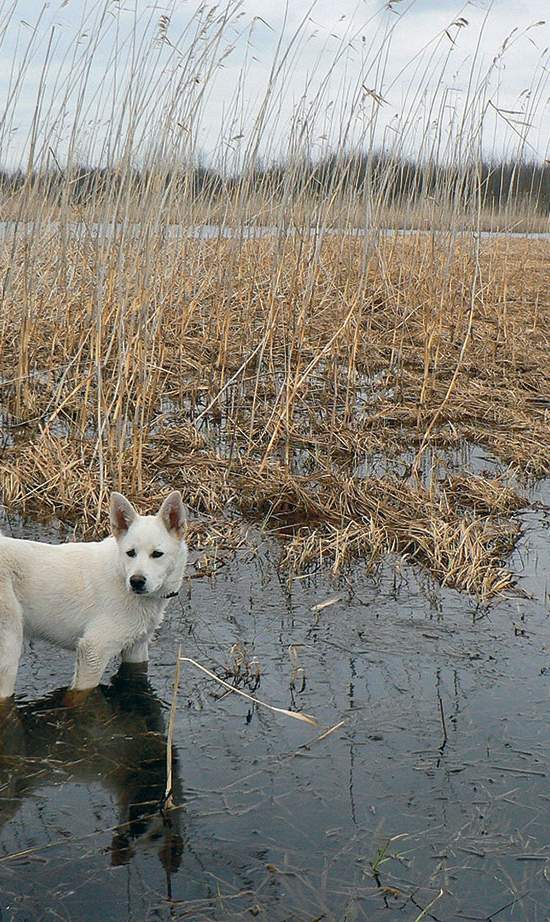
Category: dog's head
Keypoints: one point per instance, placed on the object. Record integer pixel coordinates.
(152, 549)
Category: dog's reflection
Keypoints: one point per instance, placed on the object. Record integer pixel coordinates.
(117, 737)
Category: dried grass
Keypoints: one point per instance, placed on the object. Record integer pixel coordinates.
(261, 380)
(270, 377)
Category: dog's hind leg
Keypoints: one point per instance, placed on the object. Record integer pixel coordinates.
(11, 638)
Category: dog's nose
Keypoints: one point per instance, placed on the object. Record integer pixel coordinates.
(137, 583)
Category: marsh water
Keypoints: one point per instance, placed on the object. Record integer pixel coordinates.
(106, 230)
(431, 801)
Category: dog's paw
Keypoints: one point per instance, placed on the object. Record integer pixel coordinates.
(8, 711)
(74, 697)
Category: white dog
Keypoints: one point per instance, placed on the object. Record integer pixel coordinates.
(99, 598)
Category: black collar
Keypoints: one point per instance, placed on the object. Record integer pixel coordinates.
(171, 595)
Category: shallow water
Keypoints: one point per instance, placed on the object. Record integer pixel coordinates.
(438, 780)
(107, 230)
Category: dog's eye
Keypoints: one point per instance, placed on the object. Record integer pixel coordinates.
(156, 554)
(131, 553)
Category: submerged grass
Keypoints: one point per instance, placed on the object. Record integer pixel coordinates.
(263, 374)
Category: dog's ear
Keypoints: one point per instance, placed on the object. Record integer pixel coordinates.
(122, 514)
(172, 512)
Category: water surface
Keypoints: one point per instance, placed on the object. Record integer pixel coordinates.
(434, 791)
(108, 230)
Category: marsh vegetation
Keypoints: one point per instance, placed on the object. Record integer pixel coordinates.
(329, 327)
(266, 375)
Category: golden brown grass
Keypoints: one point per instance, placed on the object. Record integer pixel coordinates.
(260, 375)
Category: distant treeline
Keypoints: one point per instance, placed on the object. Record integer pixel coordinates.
(391, 181)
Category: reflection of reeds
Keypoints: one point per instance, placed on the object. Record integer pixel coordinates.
(169, 794)
(261, 374)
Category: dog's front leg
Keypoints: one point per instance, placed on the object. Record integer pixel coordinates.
(137, 653)
(11, 639)
(92, 657)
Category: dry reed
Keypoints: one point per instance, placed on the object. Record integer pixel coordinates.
(326, 368)
(273, 376)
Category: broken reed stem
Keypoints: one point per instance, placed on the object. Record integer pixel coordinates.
(168, 794)
(302, 379)
(228, 383)
(426, 910)
(437, 415)
(306, 718)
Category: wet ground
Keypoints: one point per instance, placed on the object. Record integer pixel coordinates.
(432, 801)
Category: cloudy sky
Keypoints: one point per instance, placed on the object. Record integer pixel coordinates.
(86, 75)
